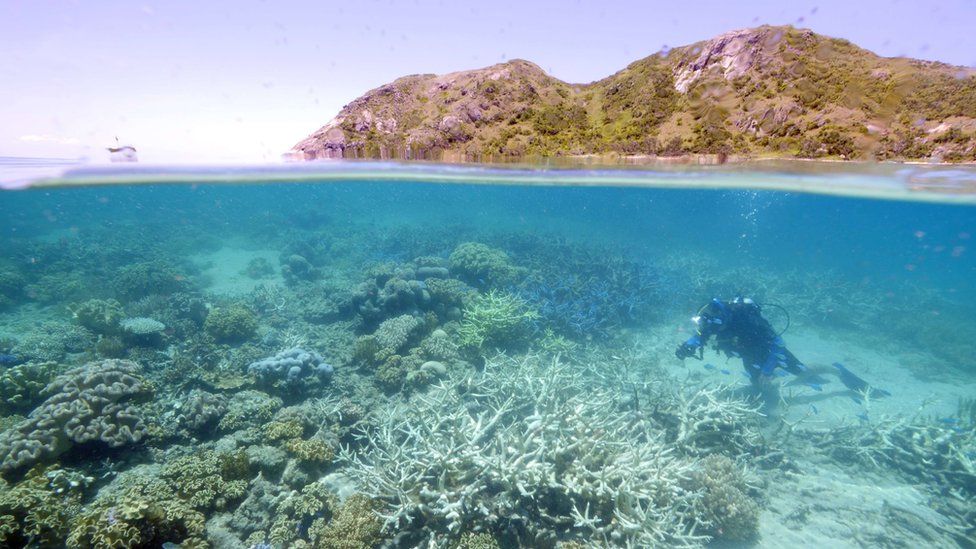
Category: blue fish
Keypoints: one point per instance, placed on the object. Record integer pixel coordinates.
(747, 375)
(726, 372)
(755, 366)
(814, 386)
(7, 359)
(709, 366)
(800, 366)
(780, 356)
(735, 354)
(949, 420)
(863, 416)
(780, 373)
(814, 409)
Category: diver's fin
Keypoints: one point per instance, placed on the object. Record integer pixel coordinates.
(857, 384)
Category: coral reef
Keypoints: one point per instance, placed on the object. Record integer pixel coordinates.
(231, 324)
(354, 525)
(291, 368)
(387, 294)
(396, 334)
(142, 331)
(21, 386)
(137, 511)
(94, 403)
(101, 316)
(295, 514)
(247, 409)
(37, 510)
(201, 410)
(208, 480)
(139, 280)
(11, 287)
(296, 269)
(52, 341)
(482, 266)
(258, 268)
(535, 452)
(725, 509)
(495, 319)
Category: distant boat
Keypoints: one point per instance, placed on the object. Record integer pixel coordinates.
(122, 153)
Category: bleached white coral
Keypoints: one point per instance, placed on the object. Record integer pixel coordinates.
(535, 447)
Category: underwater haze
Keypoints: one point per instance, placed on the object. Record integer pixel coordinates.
(413, 355)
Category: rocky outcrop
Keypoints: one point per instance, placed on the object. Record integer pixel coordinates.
(764, 90)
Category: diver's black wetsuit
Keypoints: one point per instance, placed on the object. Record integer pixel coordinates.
(740, 330)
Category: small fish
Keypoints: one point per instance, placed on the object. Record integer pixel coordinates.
(814, 409)
(814, 386)
(715, 320)
(709, 366)
(780, 373)
(800, 366)
(949, 420)
(747, 375)
(735, 354)
(863, 416)
(7, 359)
(726, 372)
(755, 366)
(780, 356)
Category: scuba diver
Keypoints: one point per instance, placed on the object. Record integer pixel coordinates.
(740, 330)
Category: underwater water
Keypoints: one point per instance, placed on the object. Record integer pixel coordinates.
(369, 355)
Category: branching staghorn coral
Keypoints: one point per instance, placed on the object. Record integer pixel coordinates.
(533, 452)
(941, 453)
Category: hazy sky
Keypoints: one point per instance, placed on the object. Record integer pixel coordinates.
(244, 80)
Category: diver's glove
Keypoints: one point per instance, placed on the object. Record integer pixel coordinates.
(688, 348)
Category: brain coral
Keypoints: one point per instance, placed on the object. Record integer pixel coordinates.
(91, 403)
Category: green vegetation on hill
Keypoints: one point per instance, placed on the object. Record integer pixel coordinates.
(768, 91)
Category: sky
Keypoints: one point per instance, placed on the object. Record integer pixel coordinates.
(244, 80)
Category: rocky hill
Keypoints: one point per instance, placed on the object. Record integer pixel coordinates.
(767, 91)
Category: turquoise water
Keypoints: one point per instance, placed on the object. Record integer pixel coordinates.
(413, 355)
